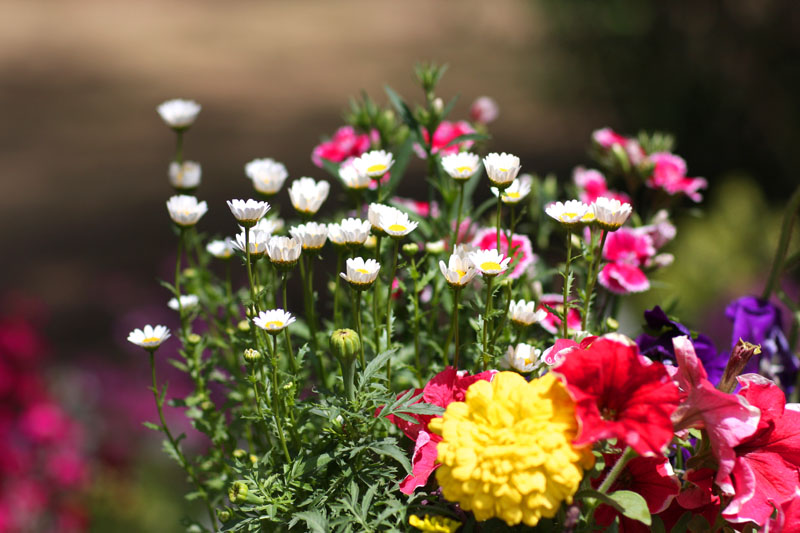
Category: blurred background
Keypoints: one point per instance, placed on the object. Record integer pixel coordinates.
(83, 160)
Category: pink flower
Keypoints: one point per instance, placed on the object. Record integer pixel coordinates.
(446, 387)
(444, 134)
(45, 421)
(669, 174)
(421, 209)
(607, 139)
(522, 257)
(484, 110)
(344, 143)
(660, 229)
(767, 468)
(620, 395)
(555, 354)
(592, 185)
(622, 278)
(627, 251)
(551, 322)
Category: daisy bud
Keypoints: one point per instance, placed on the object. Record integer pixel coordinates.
(240, 493)
(345, 344)
(411, 249)
(251, 356)
(243, 326)
(239, 453)
(435, 247)
(194, 338)
(185, 177)
(224, 514)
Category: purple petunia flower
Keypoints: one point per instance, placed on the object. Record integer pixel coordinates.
(659, 345)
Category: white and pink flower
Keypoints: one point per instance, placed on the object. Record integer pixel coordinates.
(522, 257)
(551, 322)
(669, 175)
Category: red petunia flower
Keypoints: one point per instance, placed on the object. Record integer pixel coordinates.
(620, 395)
(445, 387)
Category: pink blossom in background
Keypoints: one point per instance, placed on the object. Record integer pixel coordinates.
(523, 257)
(592, 185)
(484, 110)
(669, 175)
(444, 134)
(551, 322)
(626, 251)
(344, 143)
(660, 229)
(607, 138)
(623, 278)
(421, 209)
(466, 232)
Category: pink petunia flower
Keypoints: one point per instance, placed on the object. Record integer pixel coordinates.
(555, 354)
(443, 136)
(344, 143)
(669, 175)
(522, 258)
(621, 395)
(551, 322)
(446, 387)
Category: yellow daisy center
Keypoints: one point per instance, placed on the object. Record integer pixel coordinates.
(527, 361)
(396, 227)
(490, 265)
(362, 271)
(378, 167)
(274, 324)
(151, 339)
(588, 216)
(461, 273)
(463, 169)
(568, 216)
(503, 169)
(512, 194)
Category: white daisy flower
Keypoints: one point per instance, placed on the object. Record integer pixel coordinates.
(188, 301)
(257, 242)
(179, 114)
(396, 223)
(283, 251)
(522, 357)
(461, 166)
(312, 236)
(273, 321)
(435, 247)
(353, 179)
(349, 232)
(307, 195)
(150, 338)
(374, 164)
(185, 211)
(270, 225)
(489, 262)
(248, 212)
(221, 249)
(185, 177)
(502, 169)
(570, 213)
(360, 273)
(610, 213)
(458, 271)
(267, 175)
(517, 191)
(524, 313)
(374, 215)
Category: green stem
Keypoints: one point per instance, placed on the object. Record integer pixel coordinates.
(357, 306)
(179, 147)
(276, 387)
(418, 367)
(456, 298)
(174, 444)
(458, 213)
(487, 311)
(337, 319)
(783, 244)
(566, 284)
(499, 210)
(592, 280)
(389, 308)
(181, 315)
(292, 360)
(250, 271)
(376, 296)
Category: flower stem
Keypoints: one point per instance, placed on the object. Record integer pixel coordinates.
(458, 214)
(275, 392)
(456, 301)
(357, 306)
(292, 360)
(178, 282)
(418, 367)
(376, 296)
(499, 210)
(564, 328)
(592, 280)
(337, 319)
(179, 147)
(250, 271)
(389, 308)
(783, 244)
(174, 444)
(487, 311)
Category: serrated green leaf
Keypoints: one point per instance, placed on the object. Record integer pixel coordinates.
(316, 521)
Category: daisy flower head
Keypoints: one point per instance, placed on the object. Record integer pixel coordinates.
(361, 274)
(352, 178)
(248, 212)
(351, 232)
(150, 337)
(269, 225)
(524, 313)
(312, 236)
(273, 321)
(185, 177)
(502, 169)
(489, 262)
(374, 164)
(522, 358)
(610, 214)
(179, 114)
(221, 249)
(307, 195)
(517, 191)
(185, 210)
(396, 223)
(256, 242)
(461, 166)
(283, 251)
(187, 301)
(267, 175)
(570, 214)
(374, 215)
(458, 271)
(520, 250)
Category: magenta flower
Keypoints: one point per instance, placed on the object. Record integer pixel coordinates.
(551, 322)
(421, 209)
(443, 136)
(484, 110)
(344, 143)
(626, 251)
(522, 257)
(669, 175)
(592, 185)
(607, 139)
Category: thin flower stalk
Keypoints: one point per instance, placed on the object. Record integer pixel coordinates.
(594, 269)
(276, 387)
(487, 311)
(337, 313)
(376, 295)
(292, 360)
(499, 212)
(357, 307)
(458, 212)
(564, 329)
(254, 301)
(783, 245)
(178, 283)
(307, 275)
(456, 303)
(395, 254)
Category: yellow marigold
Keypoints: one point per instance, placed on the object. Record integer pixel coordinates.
(438, 524)
(507, 450)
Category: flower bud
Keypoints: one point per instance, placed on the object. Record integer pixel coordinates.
(194, 338)
(224, 514)
(740, 356)
(239, 453)
(345, 344)
(251, 356)
(243, 325)
(237, 493)
(435, 247)
(190, 273)
(371, 242)
(410, 249)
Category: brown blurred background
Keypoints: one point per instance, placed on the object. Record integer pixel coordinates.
(83, 154)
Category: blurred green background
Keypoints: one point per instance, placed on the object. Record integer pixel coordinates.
(83, 154)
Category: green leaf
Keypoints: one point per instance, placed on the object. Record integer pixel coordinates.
(389, 449)
(401, 158)
(315, 521)
(449, 107)
(152, 426)
(374, 366)
(632, 505)
(332, 168)
(402, 108)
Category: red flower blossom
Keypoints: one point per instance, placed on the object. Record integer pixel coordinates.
(669, 174)
(650, 477)
(620, 394)
(443, 136)
(344, 143)
(767, 469)
(446, 387)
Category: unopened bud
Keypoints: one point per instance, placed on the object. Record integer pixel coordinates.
(239, 453)
(438, 106)
(194, 338)
(224, 514)
(237, 493)
(435, 247)
(190, 273)
(410, 249)
(243, 325)
(345, 344)
(740, 356)
(251, 356)
(612, 323)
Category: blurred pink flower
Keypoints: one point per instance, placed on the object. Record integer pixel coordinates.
(344, 143)
(626, 251)
(551, 322)
(669, 174)
(592, 185)
(607, 139)
(484, 110)
(444, 134)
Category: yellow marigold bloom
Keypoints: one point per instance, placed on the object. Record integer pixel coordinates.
(439, 524)
(507, 452)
